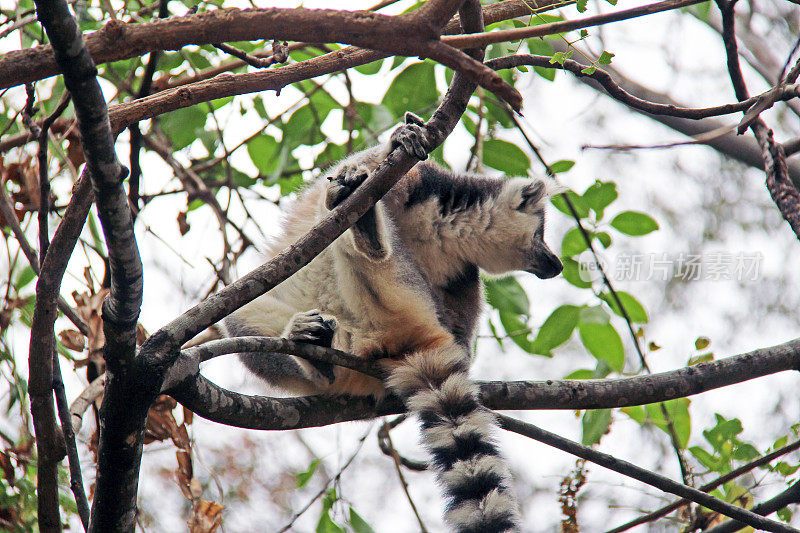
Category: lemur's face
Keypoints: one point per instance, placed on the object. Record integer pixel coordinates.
(520, 231)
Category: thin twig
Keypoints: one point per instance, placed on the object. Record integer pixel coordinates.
(386, 439)
(279, 54)
(671, 431)
(711, 485)
(327, 484)
(498, 36)
(641, 474)
(10, 217)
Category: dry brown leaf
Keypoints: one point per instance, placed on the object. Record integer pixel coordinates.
(206, 517)
(72, 339)
(7, 467)
(183, 224)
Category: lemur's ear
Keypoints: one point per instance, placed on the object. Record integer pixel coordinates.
(532, 194)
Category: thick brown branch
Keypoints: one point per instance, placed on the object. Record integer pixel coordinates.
(123, 115)
(261, 412)
(117, 40)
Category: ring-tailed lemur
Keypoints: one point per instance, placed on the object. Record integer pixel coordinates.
(402, 286)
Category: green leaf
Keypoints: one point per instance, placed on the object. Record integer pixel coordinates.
(327, 525)
(581, 373)
(600, 195)
(706, 459)
(784, 514)
(506, 294)
(263, 152)
(701, 343)
(678, 411)
(413, 89)
(703, 9)
(506, 157)
(725, 431)
(495, 112)
(221, 102)
(589, 70)
(605, 58)
(304, 477)
(303, 127)
(517, 330)
(781, 442)
(557, 329)
(370, 68)
(290, 184)
(539, 46)
(634, 223)
(573, 243)
(581, 5)
(374, 117)
(183, 126)
(636, 413)
(702, 358)
(24, 277)
(572, 274)
(603, 342)
(604, 238)
(594, 315)
(635, 310)
(562, 165)
(358, 524)
(577, 200)
(595, 424)
(747, 452)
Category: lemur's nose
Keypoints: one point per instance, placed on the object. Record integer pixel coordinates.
(545, 263)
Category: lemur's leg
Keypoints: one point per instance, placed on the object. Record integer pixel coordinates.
(370, 234)
(285, 371)
(457, 431)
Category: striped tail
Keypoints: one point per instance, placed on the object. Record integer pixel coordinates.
(457, 431)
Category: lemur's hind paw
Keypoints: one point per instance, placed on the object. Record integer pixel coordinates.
(314, 328)
(343, 184)
(411, 137)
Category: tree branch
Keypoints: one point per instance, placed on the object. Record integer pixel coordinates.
(783, 192)
(540, 30)
(260, 412)
(117, 40)
(40, 352)
(121, 308)
(645, 476)
(733, 474)
(604, 79)
(741, 149)
(188, 94)
(776, 503)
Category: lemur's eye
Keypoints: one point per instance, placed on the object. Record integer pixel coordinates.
(531, 195)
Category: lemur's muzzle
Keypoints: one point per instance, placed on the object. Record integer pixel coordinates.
(545, 264)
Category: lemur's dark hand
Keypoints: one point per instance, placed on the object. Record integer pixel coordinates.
(314, 328)
(343, 184)
(411, 137)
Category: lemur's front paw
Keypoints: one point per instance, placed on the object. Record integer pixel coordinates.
(314, 328)
(343, 184)
(411, 137)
